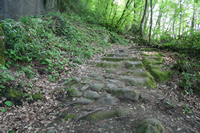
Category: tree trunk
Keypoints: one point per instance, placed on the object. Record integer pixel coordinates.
(124, 11)
(180, 18)
(193, 17)
(142, 21)
(151, 22)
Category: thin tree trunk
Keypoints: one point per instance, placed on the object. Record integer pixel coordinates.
(142, 21)
(193, 17)
(151, 22)
(122, 16)
(180, 18)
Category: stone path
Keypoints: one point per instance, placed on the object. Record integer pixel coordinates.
(115, 93)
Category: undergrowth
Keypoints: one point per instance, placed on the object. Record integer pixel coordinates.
(53, 42)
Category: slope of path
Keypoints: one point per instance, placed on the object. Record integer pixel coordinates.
(113, 94)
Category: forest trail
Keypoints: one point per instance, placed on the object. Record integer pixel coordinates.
(114, 92)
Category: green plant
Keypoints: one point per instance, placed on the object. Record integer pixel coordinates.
(186, 109)
(8, 103)
(28, 72)
(5, 79)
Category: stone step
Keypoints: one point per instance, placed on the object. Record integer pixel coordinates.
(109, 64)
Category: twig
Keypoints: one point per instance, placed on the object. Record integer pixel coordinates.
(83, 116)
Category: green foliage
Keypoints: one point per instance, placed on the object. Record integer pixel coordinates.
(188, 69)
(8, 103)
(5, 79)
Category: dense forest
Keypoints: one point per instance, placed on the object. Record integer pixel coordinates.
(44, 61)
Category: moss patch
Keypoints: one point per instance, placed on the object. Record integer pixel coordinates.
(108, 65)
(2, 47)
(149, 49)
(150, 125)
(133, 65)
(37, 97)
(14, 95)
(114, 59)
(110, 71)
(109, 114)
(70, 116)
(160, 75)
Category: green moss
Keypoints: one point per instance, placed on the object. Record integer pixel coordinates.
(110, 71)
(114, 59)
(133, 59)
(152, 54)
(149, 49)
(70, 116)
(150, 125)
(14, 94)
(108, 64)
(160, 75)
(37, 97)
(150, 83)
(2, 47)
(109, 114)
(133, 65)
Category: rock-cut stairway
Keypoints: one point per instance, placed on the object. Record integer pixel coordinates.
(113, 94)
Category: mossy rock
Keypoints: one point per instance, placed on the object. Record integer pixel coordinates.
(37, 97)
(74, 92)
(149, 49)
(2, 47)
(134, 64)
(14, 95)
(125, 93)
(160, 75)
(152, 54)
(150, 125)
(120, 112)
(116, 55)
(133, 59)
(110, 71)
(70, 116)
(108, 65)
(140, 81)
(114, 59)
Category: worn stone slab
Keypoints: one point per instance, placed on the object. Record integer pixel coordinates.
(117, 55)
(114, 59)
(91, 94)
(148, 82)
(125, 93)
(85, 100)
(109, 64)
(97, 87)
(105, 114)
(74, 92)
(133, 64)
(85, 87)
(108, 99)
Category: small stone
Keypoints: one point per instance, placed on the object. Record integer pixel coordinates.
(74, 92)
(51, 131)
(93, 74)
(108, 100)
(77, 79)
(86, 80)
(125, 93)
(109, 76)
(91, 94)
(85, 100)
(100, 78)
(97, 87)
(85, 87)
